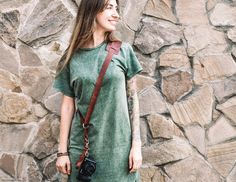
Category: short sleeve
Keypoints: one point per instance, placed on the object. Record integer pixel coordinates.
(62, 82)
(133, 65)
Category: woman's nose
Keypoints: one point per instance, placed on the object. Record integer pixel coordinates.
(116, 14)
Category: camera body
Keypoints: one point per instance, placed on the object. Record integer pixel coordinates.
(86, 170)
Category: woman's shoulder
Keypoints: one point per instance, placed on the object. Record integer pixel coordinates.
(126, 48)
(125, 45)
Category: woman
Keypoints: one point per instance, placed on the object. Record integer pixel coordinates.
(114, 138)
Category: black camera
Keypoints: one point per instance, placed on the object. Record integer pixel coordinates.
(86, 170)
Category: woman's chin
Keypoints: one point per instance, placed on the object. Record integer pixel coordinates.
(111, 28)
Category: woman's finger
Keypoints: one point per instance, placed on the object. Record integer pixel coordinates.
(135, 163)
(130, 162)
(133, 169)
(59, 169)
(68, 167)
(63, 169)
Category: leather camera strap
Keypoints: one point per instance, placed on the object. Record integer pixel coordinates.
(112, 48)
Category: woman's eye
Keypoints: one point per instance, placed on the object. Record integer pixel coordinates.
(111, 8)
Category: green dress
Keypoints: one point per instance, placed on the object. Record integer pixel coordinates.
(110, 136)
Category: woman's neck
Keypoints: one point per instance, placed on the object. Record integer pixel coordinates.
(98, 38)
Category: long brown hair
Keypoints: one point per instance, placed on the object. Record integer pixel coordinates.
(83, 29)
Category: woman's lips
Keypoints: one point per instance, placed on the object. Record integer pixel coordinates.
(113, 22)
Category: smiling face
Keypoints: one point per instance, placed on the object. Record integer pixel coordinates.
(107, 19)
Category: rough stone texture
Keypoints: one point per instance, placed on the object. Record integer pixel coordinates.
(151, 102)
(21, 167)
(8, 59)
(212, 67)
(210, 4)
(175, 84)
(232, 176)
(191, 12)
(16, 138)
(5, 4)
(144, 81)
(192, 169)
(132, 14)
(196, 136)
(144, 131)
(162, 153)
(234, 51)
(152, 174)
(9, 166)
(28, 57)
(51, 53)
(196, 109)
(224, 89)
(229, 108)
(205, 39)
(215, 115)
(8, 80)
(9, 22)
(232, 34)
(16, 108)
(222, 157)
(175, 57)
(43, 31)
(162, 127)
(124, 33)
(53, 102)
(5, 177)
(184, 131)
(33, 78)
(163, 33)
(44, 142)
(49, 168)
(160, 9)
(39, 110)
(78, 2)
(148, 64)
(223, 15)
(221, 131)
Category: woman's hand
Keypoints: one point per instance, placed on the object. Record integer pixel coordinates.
(135, 158)
(63, 165)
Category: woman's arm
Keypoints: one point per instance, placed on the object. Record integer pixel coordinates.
(135, 156)
(133, 106)
(63, 163)
(67, 112)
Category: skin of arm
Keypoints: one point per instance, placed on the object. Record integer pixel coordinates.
(67, 112)
(133, 107)
(135, 156)
(63, 163)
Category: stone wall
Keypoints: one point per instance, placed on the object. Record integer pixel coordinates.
(187, 90)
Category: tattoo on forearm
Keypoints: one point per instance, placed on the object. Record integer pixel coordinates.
(133, 107)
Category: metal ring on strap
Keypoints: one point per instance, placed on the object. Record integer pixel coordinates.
(86, 126)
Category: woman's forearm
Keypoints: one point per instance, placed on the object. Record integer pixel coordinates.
(133, 106)
(67, 112)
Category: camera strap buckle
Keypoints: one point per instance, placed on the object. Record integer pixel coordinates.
(86, 126)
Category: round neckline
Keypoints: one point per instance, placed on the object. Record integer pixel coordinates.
(92, 48)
